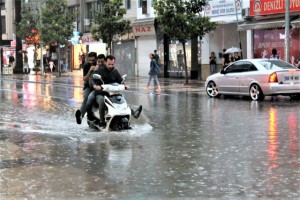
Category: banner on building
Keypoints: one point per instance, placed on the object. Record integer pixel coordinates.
(143, 28)
(267, 7)
(265, 40)
(223, 7)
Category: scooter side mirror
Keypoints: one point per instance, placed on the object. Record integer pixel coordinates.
(123, 77)
(97, 76)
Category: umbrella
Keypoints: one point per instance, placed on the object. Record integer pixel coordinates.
(233, 50)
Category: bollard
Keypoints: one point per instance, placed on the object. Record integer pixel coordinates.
(5, 70)
(10, 70)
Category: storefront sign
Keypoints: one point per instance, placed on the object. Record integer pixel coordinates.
(266, 40)
(266, 7)
(87, 38)
(222, 7)
(143, 28)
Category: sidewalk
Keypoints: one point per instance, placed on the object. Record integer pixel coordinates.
(75, 78)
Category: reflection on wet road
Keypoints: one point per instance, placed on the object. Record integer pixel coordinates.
(184, 146)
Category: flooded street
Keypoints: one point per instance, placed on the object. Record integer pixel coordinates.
(184, 145)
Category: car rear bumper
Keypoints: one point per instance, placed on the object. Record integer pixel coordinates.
(281, 89)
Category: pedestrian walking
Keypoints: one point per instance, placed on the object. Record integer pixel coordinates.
(11, 60)
(212, 62)
(274, 54)
(236, 56)
(156, 57)
(154, 70)
(51, 65)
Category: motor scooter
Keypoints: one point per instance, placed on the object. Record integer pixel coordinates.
(117, 112)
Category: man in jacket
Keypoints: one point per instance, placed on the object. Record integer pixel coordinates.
(88, 69)
(109, 74)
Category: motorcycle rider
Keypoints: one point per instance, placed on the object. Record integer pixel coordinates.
(109, 75)
(88, 70)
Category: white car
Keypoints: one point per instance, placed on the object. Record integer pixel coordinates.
(256, 78)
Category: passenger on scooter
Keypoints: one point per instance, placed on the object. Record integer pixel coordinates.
(88, 69)
(109, 75)
(92, 96)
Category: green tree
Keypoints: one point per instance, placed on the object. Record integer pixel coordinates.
(181, 20)
(46, 21)
(56, 26)
(27, 28)
(109, 21)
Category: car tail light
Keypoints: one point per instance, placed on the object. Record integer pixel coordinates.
(273, 78)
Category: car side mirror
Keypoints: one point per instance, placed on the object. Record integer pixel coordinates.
(222, 71)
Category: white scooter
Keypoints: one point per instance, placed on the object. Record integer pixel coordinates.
(117, 112)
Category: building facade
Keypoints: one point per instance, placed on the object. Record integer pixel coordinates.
(8, 38)
(255, 26)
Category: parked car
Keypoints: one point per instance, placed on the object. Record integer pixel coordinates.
(256, 78)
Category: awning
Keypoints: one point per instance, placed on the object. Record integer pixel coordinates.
(268, 24)
(296, 23)
(262, 24)
(145, 27)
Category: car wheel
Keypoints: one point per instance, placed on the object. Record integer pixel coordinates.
(212, 89)
(256, 93)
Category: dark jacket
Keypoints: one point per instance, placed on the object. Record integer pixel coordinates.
(86, 69)
(108, 76)
(154, 68)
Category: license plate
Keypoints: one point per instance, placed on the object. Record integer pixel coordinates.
(291, 78)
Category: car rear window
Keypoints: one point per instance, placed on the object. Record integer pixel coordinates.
(276, 64)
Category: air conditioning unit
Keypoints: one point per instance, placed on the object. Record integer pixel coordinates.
(87, 22)
(245, 12)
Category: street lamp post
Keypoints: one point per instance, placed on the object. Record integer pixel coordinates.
(1, 43)
(40, 32)
(287, 30)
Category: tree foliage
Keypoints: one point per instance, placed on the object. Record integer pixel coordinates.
(46, 22)
(56, 23)
(27, 24)
(50, 20)
(182, 20)
(109, 21)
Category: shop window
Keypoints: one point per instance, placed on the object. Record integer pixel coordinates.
(92, 7)
(128, 4)
(2, 5)
(176, 56)
(144, 7)
(140, 3)
(3, 25)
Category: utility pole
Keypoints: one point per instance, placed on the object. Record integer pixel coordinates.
(237, 27)
(40, 33)
(19, 56)
(1, 42)
(287, 31)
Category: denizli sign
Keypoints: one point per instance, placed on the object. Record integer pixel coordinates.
(266, 7)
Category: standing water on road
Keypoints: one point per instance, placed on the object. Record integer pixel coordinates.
(184, 146)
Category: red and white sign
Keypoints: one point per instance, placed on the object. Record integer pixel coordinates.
(13, 43)
(88, 38)
(143, 28)
(267, 7)
(266, 40)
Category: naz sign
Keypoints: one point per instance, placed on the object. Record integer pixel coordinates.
(143, 28)
(266, 7)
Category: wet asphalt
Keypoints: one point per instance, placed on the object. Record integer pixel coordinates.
(184, 145)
